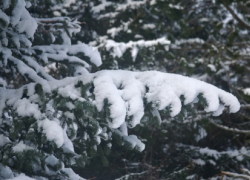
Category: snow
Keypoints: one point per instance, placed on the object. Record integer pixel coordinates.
(125, 91)
(72, 175)
(148, 26)
(105, 89)
(152, 2)
(56, 13)
(67, 142)
(4, 17)
(21, 177)
(176, 6)
(3, 140)
(219, 110)
(124, 129)
(130, 4)
(2, 82)
(201, 135)
(212, 67)
(70, 91)
(5, 172)
(212, 162)
(6, 4)
(89, 51)
(209, 152)
(101, 6)
(246, 91)
(38, 68)
(67, 3)
(190, 177)
(20, 147)
(138, 36)
(53, 131)
(51, 160)
(25, 108)
(117, 49)
(107, 15)
(132, 140)
(22, 19)
(164, 90)
(199, 162)
(6, 54)
(238, 154)
(70, 105)
(188, 41)
(66, 52)
(69, 115)
(135, 142)
(115, 30)
(25, 70)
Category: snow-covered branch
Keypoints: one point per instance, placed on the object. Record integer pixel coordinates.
(235, 175)
(231, 129)
(125, 92)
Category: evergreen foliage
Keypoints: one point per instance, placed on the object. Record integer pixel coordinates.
(61, 112)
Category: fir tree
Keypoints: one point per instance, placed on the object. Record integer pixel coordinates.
(56, 115)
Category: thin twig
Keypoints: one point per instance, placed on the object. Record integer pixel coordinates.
(235, 175)
(231, 129)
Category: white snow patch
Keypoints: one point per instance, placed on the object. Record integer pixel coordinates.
(25, 108)
(5, 172)
(3, 140)
(148, 26)
(212, 67)
(20, 147)
(246, 91)
(53, 131)
(21, 177)
(72, 175)
(199, 162)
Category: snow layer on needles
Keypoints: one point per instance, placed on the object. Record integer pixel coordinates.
(22, 19)
(20, 147)
(22, 177)
(53, 131)
(118, 48)
(125, 91)
(67, 52)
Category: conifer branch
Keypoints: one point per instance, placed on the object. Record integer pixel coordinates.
(242, 22)
(230, 129)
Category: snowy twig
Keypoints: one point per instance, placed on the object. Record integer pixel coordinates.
(182, 170)
(231, 129)
(245, 106)
(245, 171)
(235, 175)
(242, 22)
